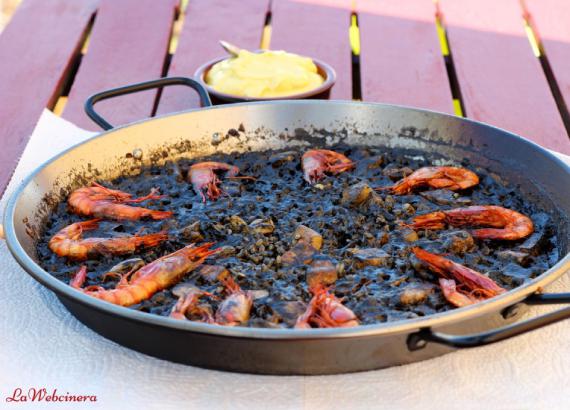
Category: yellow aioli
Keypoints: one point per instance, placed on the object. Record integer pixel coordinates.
(267, 74)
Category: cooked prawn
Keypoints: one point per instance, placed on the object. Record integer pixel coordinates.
(505, 224)
(454, 296)
(140, 285)
(188, 303)
(473, 286)
(326, 310)
(68, 242)
(203, 177)
(317, 162)
(103, 202)
(453, 178)
(234, 309)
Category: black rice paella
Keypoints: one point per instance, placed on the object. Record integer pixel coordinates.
(341, 236)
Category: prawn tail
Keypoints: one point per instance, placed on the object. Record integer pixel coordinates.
(434, 221)
(152, 239)
(431, 225)
(160, 214)
(203, 251)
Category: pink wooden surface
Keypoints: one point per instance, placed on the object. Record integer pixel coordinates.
(128, 44)
(319, 29)
(551, 20)
(36, 51)
(501, 81)
(207, 22)
(401, 61)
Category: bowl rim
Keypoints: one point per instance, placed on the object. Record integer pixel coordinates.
(328, 83)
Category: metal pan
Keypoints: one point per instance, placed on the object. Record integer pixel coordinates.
(542, 178)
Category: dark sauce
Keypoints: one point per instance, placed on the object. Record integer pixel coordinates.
(279, 193)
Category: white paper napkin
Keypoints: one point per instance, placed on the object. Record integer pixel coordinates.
(42, 345)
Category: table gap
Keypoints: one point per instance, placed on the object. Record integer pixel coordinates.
(265, 41)
(60, 98)
(540, 53)
(458, 103)
(179, 17)
(354, 37)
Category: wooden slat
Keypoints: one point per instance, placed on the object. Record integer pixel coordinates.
(318, 29)
(501, 81)
(128, 44)
(551, 20)
(401, 61)
(36, 50)
(207, 22)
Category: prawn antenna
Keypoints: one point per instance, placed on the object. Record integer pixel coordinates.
(383, 188)
(243, 177)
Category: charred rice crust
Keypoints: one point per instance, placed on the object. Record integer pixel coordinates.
(399, 290)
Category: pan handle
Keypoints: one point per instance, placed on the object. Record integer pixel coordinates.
(133, 88)
(420, 339)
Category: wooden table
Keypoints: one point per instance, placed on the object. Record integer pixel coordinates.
(468, 57)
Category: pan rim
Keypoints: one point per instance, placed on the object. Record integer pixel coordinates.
(387, 328)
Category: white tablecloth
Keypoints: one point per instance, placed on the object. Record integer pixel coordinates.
(42, 345)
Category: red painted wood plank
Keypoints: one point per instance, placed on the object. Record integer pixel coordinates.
(551, 20)
(401, 61)
(317, 29)
(501, 81)
(207, 22)
(128, 44)
(35, 53)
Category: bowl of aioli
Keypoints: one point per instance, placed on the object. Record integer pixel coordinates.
(266, 75)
